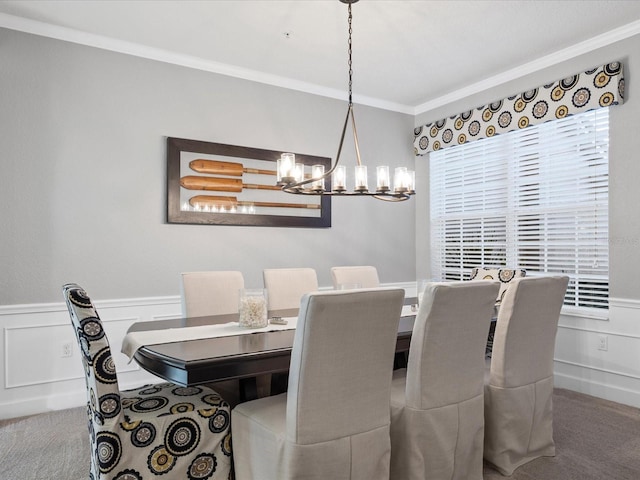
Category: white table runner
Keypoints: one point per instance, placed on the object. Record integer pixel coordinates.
(134, 340)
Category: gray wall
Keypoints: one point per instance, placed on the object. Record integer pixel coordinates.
(624, 166)
(82, 175)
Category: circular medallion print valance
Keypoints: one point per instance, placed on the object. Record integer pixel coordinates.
(599, 87)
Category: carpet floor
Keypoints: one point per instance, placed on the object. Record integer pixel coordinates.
(595, 440)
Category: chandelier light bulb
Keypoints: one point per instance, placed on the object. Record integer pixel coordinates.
(382, 184)
(361, 179)
(400, 180)
(285, 168)
(339, 178)
(317, 171)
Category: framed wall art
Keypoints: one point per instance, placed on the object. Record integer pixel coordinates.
(218, 184)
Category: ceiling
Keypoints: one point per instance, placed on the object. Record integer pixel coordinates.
(408, 56)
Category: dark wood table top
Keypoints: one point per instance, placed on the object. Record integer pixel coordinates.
(209, 360)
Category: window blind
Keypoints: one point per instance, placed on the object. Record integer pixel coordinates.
(535, 198)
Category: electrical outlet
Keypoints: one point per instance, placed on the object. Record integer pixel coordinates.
(603, 342)
(67, 350)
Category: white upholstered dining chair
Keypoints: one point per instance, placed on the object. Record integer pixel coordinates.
(333, 423)
(286, 286)
(519, 381)
(364, 276)
(211, 293)
(437, 403)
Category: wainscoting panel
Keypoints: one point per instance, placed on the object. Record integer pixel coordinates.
(48, 341)
(601, 358)
(35, 376)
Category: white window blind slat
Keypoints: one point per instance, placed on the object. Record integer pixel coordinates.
(535, 199)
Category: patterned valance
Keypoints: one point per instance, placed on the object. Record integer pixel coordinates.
(599, 87)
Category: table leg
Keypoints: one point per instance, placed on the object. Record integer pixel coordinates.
(400, 360)
(492, 330)
(279, 383)
(248, 389)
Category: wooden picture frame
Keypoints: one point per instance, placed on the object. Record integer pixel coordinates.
(217, 184)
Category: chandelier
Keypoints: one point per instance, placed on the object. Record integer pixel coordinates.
(293, 178)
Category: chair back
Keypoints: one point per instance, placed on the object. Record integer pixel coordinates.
(504, 275)
(524, 340)
(446, 356)
(342, 363)
(366, 276)
(286, 286)
(211, 293)
(103, 394)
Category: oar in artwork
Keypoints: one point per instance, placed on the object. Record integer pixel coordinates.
(196, 182)
(218, 167)
(227, 202)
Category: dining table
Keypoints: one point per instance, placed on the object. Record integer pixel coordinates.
(245, 356)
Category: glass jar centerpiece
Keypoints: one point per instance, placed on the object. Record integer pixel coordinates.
(253, 308)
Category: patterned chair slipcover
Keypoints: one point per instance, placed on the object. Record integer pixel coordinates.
(157, 430)
(505, 275)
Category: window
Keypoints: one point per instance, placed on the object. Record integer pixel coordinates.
(535, 198)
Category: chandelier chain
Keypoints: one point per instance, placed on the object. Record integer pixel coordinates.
(350, 60)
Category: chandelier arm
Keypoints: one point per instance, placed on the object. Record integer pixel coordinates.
(355, 136)
(392, 197)
(292, 187)
(344, 131)
(387, 197)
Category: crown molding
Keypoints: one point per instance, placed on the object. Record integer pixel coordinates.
(563, 55)
(34, 27)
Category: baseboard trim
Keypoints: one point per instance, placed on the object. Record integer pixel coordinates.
(597, 389)
(597, 369)
(42, 404)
